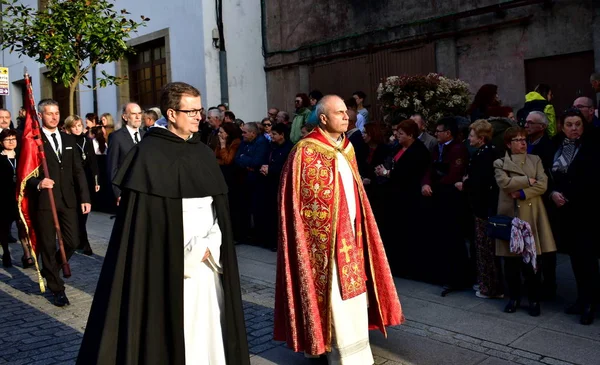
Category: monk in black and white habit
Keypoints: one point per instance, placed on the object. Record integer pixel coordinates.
(169, 290)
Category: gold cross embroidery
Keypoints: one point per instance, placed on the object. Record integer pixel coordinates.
(345, 250)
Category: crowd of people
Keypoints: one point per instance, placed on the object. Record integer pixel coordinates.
(436, 190)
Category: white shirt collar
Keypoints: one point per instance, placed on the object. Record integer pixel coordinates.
(51, 140)
(132, 132)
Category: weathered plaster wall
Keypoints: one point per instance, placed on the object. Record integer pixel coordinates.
(487, 56)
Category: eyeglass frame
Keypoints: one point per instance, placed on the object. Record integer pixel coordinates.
(443, 130)
(187, 112)
(579, 106)
(267, 125)
(9, 140)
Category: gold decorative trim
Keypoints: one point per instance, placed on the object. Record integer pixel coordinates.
(34, 173)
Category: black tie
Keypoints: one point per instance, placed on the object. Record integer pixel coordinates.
(56, 148)
(135, 136)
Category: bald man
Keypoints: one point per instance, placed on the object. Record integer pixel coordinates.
(326, 297)
(122, 140)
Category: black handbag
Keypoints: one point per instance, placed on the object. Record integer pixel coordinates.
(499, 226)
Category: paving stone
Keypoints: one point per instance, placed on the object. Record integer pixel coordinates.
(551, 361)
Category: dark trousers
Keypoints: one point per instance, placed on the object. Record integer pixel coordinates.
(5, 226)
(587, 276)
(47, 244)
(548, 263)
(84, 243)
(513, 268)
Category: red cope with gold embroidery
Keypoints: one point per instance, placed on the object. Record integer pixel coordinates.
(314, 220)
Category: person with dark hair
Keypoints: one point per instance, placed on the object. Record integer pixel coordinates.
(149, 118)
(402, 223)
(170, 263)
(314, 97)
(360, 97)
(228, 116)
(222, 108)
(266, 126)
(522, 182)
(574, 195)
(229, 140)
(302, 113)
(486, 97)
(280, 149)
(9, 211)
(70, 190)
(539, 100)
(360, 119)
(449, 164)
(91, 120)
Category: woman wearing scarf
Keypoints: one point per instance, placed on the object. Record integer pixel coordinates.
(574, 192)
(9, 212)
(522, 182)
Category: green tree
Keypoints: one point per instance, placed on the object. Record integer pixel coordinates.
(70, 37)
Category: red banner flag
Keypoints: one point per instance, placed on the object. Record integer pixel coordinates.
(29, 167)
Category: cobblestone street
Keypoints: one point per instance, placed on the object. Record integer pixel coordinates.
(459, 329)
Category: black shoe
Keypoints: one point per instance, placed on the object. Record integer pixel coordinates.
(11, 239)
(6, 260)
(534, 309)
(587, 315)
(512, 306)
(88, 252)
(60, 299)
(27, 262)
(574, 309)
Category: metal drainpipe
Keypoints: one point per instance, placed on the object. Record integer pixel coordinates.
(222, 56)
(94, 91)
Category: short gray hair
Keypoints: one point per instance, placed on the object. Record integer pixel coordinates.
(541, 115)
(285, 115)
(46, 102)
(216, 112)
(595, 77)
(253, 126)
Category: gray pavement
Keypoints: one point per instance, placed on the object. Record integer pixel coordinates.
(458, 329)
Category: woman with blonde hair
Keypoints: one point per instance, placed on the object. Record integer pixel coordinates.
(479, 184)
(108, 124)
(74, 126)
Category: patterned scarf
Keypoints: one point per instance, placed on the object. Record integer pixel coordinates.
(568, 151)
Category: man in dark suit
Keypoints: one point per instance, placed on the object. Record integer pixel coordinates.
(67, 181)
(122, 140)
(448, 167)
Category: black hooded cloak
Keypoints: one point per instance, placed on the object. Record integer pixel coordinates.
(137, 311)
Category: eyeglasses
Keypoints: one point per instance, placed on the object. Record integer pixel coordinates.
(9, 140)
(579, 106)
(519, 140)
(531, 122)
(267, 124)
(190, 113)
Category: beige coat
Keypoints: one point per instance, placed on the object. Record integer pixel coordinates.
(512, 174)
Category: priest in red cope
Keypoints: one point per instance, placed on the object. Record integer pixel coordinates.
(333, 279)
